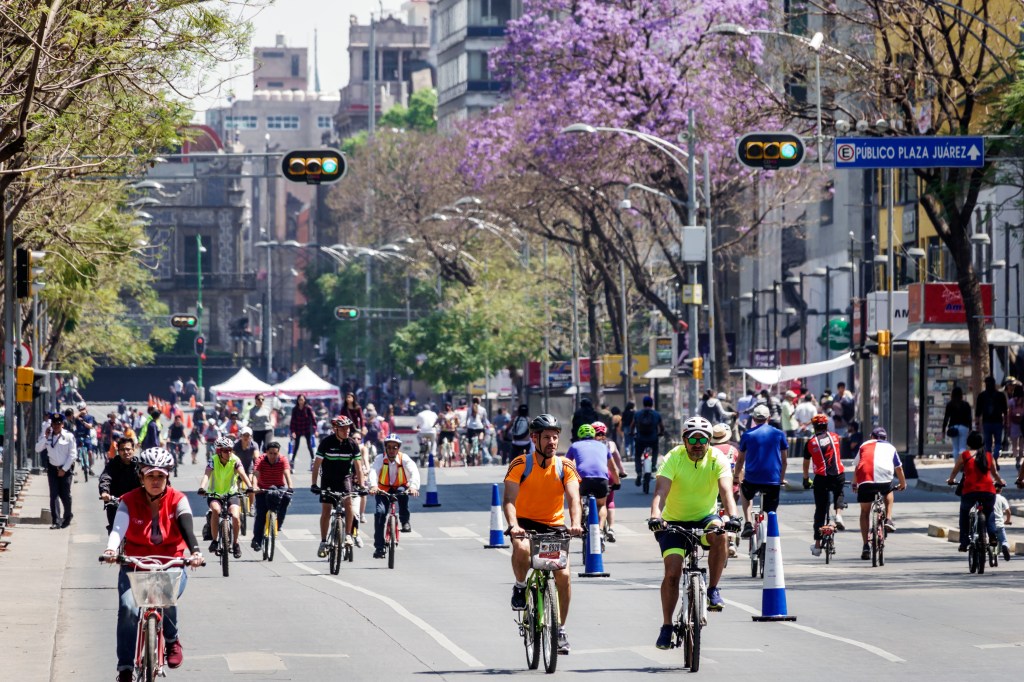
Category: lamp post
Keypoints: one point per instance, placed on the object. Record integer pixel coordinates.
(268, 344)
(200, 250)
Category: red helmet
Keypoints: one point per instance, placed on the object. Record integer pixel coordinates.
(819, 419)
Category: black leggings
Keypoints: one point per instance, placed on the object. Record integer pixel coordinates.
(826, 489)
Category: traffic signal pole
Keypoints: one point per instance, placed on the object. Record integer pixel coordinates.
(691, 210)
(10, 361)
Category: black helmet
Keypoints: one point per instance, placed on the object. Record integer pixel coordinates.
(545, 422)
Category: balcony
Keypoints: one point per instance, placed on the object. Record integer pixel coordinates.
(222, 281)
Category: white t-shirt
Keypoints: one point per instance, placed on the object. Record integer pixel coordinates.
(1002, 504)
(477, 418)
(425, 421)
(805, 411)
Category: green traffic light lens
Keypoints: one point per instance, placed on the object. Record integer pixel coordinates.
(352, 313)
(329, 166)
(788, 150)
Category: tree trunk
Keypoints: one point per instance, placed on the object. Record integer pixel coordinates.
(721, 346)
(595, 350)
(970, 290)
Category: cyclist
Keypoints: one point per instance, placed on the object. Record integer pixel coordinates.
(426, 428)
(519, 432)
(335, 466)
(602, 436)
(829, 480)
(690, 496)
(83, 425)
(980, 480)
(591, 459)
(721, 440)
(271, 470)
(476, 426)
(761, 465)
(222, 476)
(170, 536)
(448, 426)
(873, 469)
(176, 438)
(119, 476)
(149, 429)
(391, 471)
(648, 427)
(535, 489)
(247, 452)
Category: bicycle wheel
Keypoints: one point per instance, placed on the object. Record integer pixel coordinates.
(873, 536)
(270, 536)
(225, 542)
(244, 514)
(531, 629)
(826, 547)
(337, 540)
(881, 545)
(392, 535)
(549, 628)
(150, 661)
(760, 560)
(692, 639)
(980, 542)
(755, 552)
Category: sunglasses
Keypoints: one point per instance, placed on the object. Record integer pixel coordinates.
(694, 441)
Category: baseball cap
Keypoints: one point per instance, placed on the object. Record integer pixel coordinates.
(760, 413)
(879, 433)
(246, 431)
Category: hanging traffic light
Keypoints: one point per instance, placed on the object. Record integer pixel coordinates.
(698, 368)
(25, 271)
(884, 343)
(314, 166)
(770, 151)
(184, 321)
(200, 346)
(25, 380)
(346, 313)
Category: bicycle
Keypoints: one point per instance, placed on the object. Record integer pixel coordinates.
(83, 461)
(225, 535)
(447, 452)
(539, 621)
(876, 530)
(392, 527)
(338, 549)
(647, 465)
(977, 547)
(273, 497)
(154, 589)
(828, 536)
(177, 450)
(758, 539)
(693, 609)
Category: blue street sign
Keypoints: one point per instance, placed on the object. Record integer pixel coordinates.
(910, 152)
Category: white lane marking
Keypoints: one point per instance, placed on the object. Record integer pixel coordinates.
(426, 627)
(870, 648)
(299, 655)
(297, 533)
(1007, 645)
(458, 532)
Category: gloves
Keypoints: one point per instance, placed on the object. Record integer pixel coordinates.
(616, 486)
(656, 524)
(202, 492)
(807, 484)
(315, 489)
(732, 526)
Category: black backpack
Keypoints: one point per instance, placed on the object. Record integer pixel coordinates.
(646, 424)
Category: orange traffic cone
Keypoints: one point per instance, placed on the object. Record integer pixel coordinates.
(192, 401)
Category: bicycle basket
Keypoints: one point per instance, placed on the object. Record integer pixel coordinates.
(549, 555)
(155, 588)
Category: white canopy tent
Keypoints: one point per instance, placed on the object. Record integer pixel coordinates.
(241, 386)
(781, 374)
(307, 383)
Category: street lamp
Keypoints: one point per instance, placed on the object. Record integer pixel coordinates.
(269, 344)
(200, 250)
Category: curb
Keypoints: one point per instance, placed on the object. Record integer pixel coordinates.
(953, 535)
(933, 487)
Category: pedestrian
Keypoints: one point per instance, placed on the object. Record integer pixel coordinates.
(956, 421)
(149, 429)
(803, 414)
(501, 422)
(786, 411)
(353, 411)
(990, 415)
(302, 425)
(744, 406)
(191, 388)
(519, 432)
(585, 414)
(1014, 419)
(847, 400)
(626, 429)
(712, 410)
(648, 427)
(59, 446)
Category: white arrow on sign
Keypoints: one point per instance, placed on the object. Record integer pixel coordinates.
(973, 152)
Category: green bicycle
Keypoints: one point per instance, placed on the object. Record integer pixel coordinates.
(538, 623)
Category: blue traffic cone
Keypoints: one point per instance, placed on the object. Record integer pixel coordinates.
(594, 561)
(431, 500)
(497, 538)
(773, 590)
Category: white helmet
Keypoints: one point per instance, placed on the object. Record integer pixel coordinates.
(223, 442)
(154, 458)
(698, 425)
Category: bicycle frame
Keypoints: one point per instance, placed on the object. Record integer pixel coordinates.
(758, 539)
(876, 530)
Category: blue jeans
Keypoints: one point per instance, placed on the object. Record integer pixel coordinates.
(959, 440)
(993, 434)
(128, 620)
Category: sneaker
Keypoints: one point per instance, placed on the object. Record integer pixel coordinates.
(610, 534)
(563, 643)
(406, 527)
(348, 540)
(732, 551)
(962, 548)
(715, 601)
(638, 480)
(839, 522)
(357, 539)
(214, 546)
(815, 550)
(256, 545)
(748, 530)
(362, 518)
(125, 676)
(518, 598)
(379, 554)
(665, 637)
(865, 553)
(236, 551)
(1006, 552)
(889, 526)
(174, 654)
(322, 550)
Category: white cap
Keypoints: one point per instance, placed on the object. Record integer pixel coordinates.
(246, 431)
(761, 412)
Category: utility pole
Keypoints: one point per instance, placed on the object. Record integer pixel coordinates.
(709, 246)
(10, 361)
(691, 210)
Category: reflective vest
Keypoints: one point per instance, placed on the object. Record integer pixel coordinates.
(401, 480)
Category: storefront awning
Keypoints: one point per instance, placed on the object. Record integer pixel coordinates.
(658, 373)
(780, 374)
(996, 337)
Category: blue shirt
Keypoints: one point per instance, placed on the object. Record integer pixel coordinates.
(590, 457)
(762, 447)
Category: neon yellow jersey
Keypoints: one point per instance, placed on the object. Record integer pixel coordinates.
(224, 480)
(694, 492)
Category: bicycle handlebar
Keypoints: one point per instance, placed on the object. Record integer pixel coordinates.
(331, 494)
(693, 532)
(149, 563)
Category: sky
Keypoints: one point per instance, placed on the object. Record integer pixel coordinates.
(297, 19)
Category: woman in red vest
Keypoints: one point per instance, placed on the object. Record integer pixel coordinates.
(154, 520)
(980, 480)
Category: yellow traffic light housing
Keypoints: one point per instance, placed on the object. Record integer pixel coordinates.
(24, 378)
(698, 368)
(884, 343)
(770, 151)
(314, 166)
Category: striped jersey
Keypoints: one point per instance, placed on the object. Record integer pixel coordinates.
(876, 462)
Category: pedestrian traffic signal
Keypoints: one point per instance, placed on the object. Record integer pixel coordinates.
(25, 380)
(698, 368)
(25, 270)
(770, 151)
(346, 313)
(314, 166)
(884, 343)
(200, 345)
(184, 321)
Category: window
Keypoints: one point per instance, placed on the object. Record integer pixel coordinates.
(478, 67)
(796, 87)
(275, 84)
(490, 12)
(796, 16)
(366, 67)
(282, 122)
(390, 65)
(241, 122)
(270, 54)
(191, 251)
(295, 65)
(324, 122)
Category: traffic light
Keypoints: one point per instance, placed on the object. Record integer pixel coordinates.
(346, 313)
(200, 345)
(884, 343)
(24, 271)
(314, 166)
(770, 151)
(25, 378)
(184, 321)
(698, 368)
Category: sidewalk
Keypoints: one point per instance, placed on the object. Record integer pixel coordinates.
(31, 576)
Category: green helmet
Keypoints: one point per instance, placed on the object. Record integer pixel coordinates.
(586, 431)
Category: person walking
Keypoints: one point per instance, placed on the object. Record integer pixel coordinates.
(648, 427)
(259, 421)
(1014, 419)
(61, 450)
(956, 421)
(990, 414)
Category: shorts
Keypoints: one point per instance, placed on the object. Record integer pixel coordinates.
(232, 501)
(769, 494)
(673, 543)
(866, 491)
(342, 486)
(598, 487)
(473, 433)
(446, 436)
(537, 527)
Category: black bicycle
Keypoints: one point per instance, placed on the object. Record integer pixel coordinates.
(977, 544)
(338, 549)
(225, 538)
